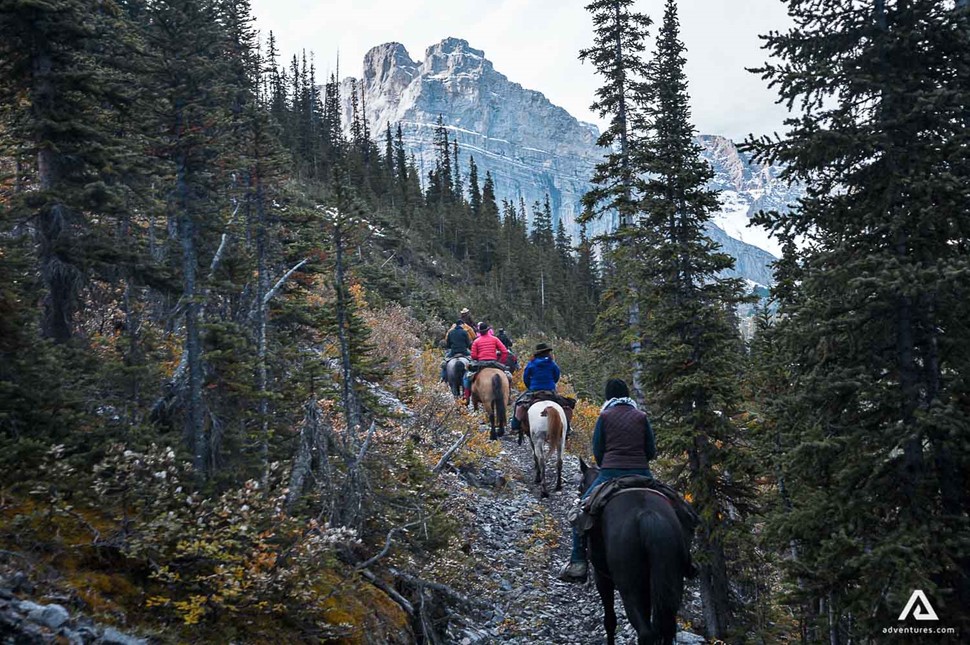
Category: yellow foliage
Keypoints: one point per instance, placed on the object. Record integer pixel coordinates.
(359, 295)
(477, 448)
(581, 437)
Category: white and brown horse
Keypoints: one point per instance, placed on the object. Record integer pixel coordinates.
(547, 431)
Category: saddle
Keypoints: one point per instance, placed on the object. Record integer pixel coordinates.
(592, 507)
(535, 396)
(475, 367)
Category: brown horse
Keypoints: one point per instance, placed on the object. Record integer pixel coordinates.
(491, 389)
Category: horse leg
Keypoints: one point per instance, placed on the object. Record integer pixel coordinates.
(637, 605)
(559, 470)
(604, 586)
(535, 460)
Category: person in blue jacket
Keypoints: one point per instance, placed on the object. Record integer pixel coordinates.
(541, 374)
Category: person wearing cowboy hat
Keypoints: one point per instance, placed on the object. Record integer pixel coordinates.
(540, 375)
(464, 322)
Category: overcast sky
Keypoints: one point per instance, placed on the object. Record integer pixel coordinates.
(536, 43)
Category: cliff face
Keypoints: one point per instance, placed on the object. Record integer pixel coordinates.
(746, 188)
(532, 147)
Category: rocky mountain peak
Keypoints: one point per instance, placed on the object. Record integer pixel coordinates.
(533, 148)
(453, 56)
(384, 64)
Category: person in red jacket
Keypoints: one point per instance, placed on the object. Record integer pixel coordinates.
(486, 348)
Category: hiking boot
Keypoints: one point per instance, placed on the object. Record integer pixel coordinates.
(573, 572)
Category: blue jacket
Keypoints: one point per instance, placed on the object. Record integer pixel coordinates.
(541, 373)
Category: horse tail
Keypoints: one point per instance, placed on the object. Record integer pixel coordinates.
(553, 427)
(667, 557)
(498, 399)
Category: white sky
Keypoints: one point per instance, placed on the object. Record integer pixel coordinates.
(536, 43)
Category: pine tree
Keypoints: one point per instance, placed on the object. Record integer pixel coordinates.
(475, 192)
(691, 363)
(541, 234)
(617, 54)
(332, 130)
(564, 245)
(874, 326)
(61, 86)
(400, 160)
(190, 84)
(440, 182)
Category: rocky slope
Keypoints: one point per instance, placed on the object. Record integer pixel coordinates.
(519, 541)
(532, 147)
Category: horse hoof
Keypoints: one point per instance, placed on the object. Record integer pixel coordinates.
(545, 494)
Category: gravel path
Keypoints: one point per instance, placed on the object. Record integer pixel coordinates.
(519, 544)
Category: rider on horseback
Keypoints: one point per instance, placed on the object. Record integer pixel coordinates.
(486, 349)
(457, 343)
(540, 377)
(623, 444)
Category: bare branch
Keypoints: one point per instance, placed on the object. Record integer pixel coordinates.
(451, 451)
(223, 243)
(389, 590)
(387, 543)
(366, 445)
(279, 283)
(449, 593)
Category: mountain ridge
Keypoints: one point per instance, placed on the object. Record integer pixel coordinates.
(533, 147)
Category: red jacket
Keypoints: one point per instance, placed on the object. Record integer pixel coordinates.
(489, 348)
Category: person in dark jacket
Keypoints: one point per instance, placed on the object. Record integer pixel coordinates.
(502, 336)
(623, 444)
(457, 343)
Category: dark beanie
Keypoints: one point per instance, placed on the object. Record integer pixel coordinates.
(616, 388)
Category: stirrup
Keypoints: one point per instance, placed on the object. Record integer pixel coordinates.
(573, 572)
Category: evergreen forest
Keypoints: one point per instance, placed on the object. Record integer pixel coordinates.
(222, 313)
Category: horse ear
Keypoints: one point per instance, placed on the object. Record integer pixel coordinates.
(582, 466)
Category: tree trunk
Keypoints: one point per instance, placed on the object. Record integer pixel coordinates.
(262, 288)
(351, 406)
(59, 275)
(194, 425)
(312, 459)
(715, 591)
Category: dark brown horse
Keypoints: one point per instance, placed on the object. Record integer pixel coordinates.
(637, 547)
(491, 390)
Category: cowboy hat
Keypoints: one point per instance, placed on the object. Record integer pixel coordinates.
(542, 348)
(464, 310)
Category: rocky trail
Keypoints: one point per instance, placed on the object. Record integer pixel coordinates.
(519, 543)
